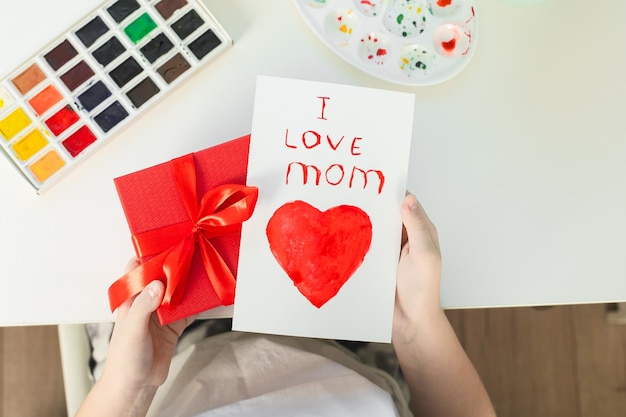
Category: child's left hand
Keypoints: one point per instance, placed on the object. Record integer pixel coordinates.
(141, 349)
(138, 360)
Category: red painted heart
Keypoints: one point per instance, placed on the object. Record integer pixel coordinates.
(319, 250)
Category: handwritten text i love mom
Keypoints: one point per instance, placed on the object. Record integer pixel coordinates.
(336, 174)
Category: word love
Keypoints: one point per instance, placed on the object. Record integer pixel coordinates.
(335, 174)
(312, 139)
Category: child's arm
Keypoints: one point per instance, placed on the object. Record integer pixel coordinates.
(138, 359)
(441, 378)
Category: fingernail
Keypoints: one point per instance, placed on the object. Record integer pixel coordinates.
(153, 289)
(412, 202)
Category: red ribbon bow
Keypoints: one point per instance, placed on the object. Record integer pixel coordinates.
(221, 211)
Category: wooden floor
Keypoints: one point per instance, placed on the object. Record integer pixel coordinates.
(31, 383)
(561, 361)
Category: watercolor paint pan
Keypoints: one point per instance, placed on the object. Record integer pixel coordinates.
(97, 77)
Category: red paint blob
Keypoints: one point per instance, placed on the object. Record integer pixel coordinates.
(381, 52)
(444, 3)
(450, 45)
(318, 250)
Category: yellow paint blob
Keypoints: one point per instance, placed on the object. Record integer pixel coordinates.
(1, 103)
(47, 165)
(14, 123)
(29, 145)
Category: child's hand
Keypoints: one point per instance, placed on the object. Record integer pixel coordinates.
(441, 379)
(419, 270)
(138, 360)
(141, 349)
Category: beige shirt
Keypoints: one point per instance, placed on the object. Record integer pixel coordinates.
(243, 374)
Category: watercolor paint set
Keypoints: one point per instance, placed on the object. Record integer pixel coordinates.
(104, 72)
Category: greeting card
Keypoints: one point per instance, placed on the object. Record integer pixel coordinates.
(319, 256)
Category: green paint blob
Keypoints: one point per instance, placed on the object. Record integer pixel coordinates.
(137, 30)
(400, 18)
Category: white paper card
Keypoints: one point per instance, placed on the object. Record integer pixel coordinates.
(319, 256)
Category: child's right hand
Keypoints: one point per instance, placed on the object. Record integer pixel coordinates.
(419, 271)
(441, 378)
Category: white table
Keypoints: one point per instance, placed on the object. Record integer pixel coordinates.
(520, 160)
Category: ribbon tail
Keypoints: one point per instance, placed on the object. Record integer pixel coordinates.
(176, 267)
(220, 276)
(133, 282)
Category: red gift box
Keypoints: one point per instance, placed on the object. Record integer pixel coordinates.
(159, 207)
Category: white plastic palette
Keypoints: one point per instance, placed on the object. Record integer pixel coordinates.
(103, 73)
(408, 42)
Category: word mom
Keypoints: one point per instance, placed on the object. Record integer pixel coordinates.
(335, 174)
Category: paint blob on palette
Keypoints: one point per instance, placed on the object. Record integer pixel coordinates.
(105, 71)
(408, 42)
